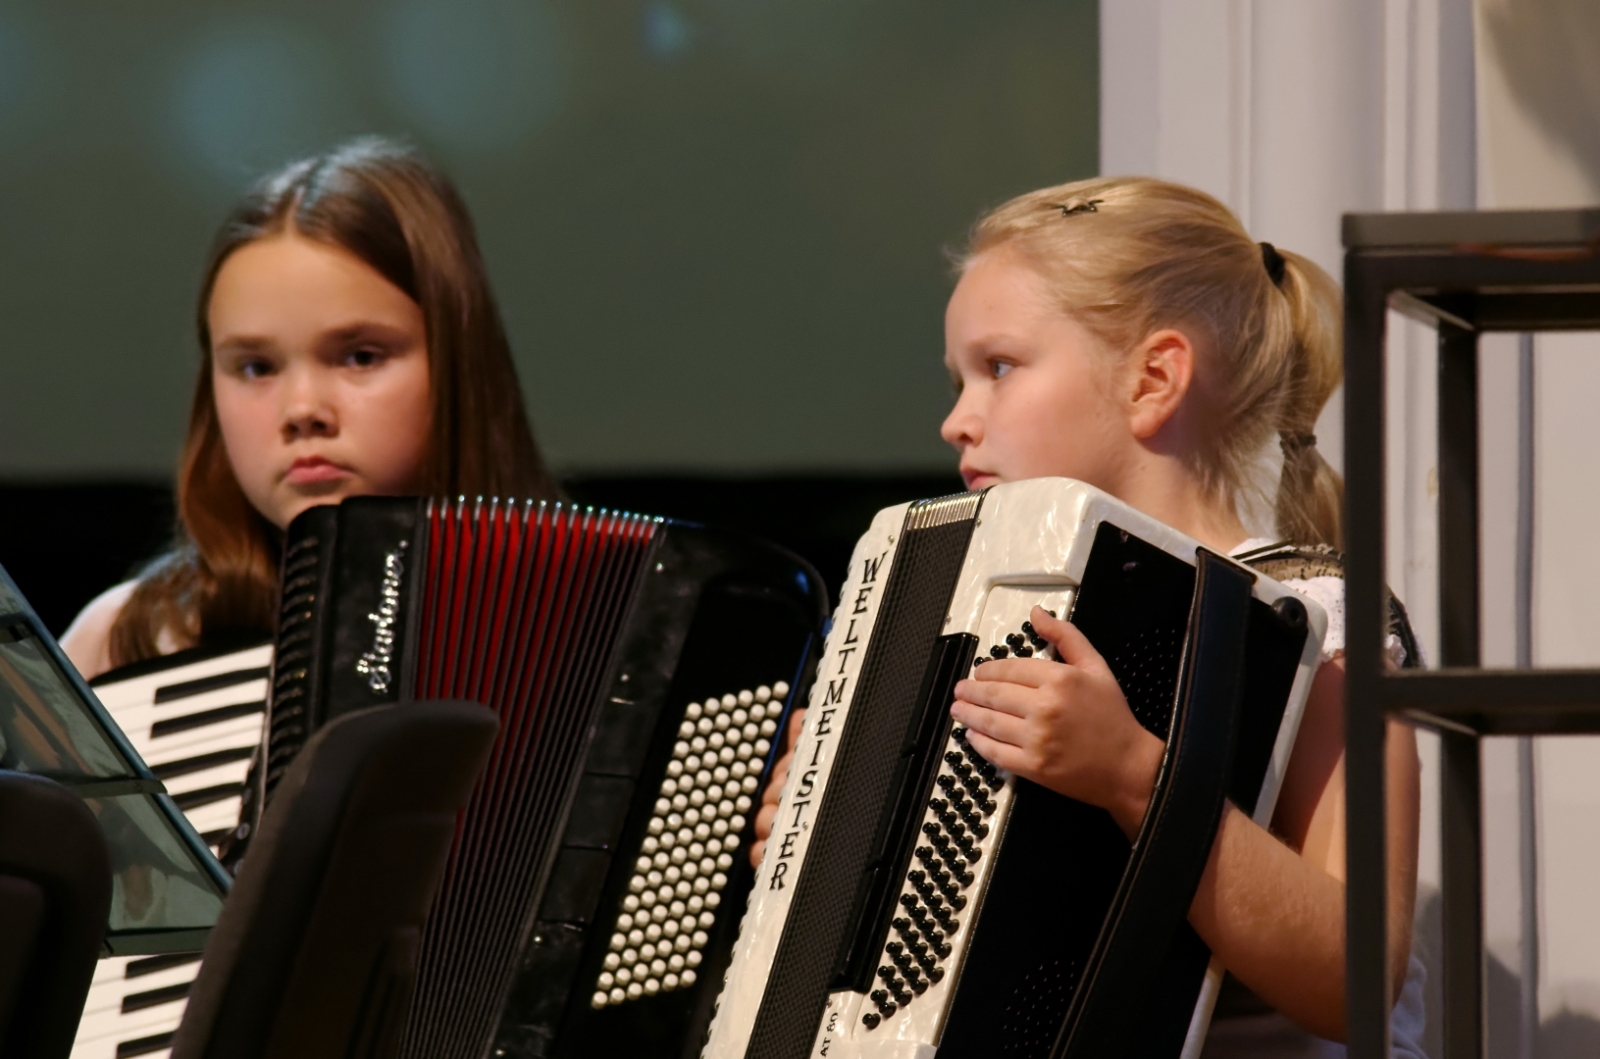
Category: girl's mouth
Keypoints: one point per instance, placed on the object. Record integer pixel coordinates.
(311, 470)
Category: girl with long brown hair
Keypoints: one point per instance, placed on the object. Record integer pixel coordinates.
(350, 345)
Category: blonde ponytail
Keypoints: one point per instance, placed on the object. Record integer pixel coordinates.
(1127, 256)
(1310, 500)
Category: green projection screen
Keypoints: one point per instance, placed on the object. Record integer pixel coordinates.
(716, 227)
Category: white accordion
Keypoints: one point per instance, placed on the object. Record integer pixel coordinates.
(913, 899)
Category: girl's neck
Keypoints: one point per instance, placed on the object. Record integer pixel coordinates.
(1164, 489)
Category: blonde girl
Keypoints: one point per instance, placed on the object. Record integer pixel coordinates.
(1129, 333)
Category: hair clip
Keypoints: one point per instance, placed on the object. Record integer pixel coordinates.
(1092, 206)
(1296, 443)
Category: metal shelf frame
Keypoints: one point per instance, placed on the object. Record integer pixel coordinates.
(1464, 274)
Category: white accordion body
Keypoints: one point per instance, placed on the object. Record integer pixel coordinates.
(1030, 544)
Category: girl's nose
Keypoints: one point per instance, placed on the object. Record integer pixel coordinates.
(307, 412)
(962, 428)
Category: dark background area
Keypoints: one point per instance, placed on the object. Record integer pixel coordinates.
(64, 544)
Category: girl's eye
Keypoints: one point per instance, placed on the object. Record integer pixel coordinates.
(254, 369)
(364, 358)
(999, 368)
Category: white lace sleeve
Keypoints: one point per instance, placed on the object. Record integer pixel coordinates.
(1328, 593)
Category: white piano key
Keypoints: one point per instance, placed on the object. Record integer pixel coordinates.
(106, 1027)
(218, 816)
(216, 776)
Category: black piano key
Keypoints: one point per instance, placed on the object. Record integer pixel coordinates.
(145, 1045)
(161, 729)
(155, 997)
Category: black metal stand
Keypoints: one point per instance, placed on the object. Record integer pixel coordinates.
(1465, 274)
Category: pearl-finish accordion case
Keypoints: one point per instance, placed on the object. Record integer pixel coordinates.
(641, 669)
(913, 899)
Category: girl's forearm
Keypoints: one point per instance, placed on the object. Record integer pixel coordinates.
(1275, 917)
(1276, 921)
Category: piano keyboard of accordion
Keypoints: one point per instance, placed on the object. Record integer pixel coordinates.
(639, 668)
(988, 894)
(195, 718)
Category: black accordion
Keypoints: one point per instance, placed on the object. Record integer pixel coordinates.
(641, 669)
(914, 899)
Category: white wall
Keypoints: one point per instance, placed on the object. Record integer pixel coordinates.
(1538, 104)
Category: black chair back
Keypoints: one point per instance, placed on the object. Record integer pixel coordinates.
(55, 897)
(315, 952)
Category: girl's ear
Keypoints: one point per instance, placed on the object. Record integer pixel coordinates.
(1160, 371)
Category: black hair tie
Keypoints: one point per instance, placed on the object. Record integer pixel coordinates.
(1293, 444)
(1274, 263)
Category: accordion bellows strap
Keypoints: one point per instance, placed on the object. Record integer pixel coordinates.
(640, 669)
(913, 898)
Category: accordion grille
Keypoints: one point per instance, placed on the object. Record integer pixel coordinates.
(521, 608)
